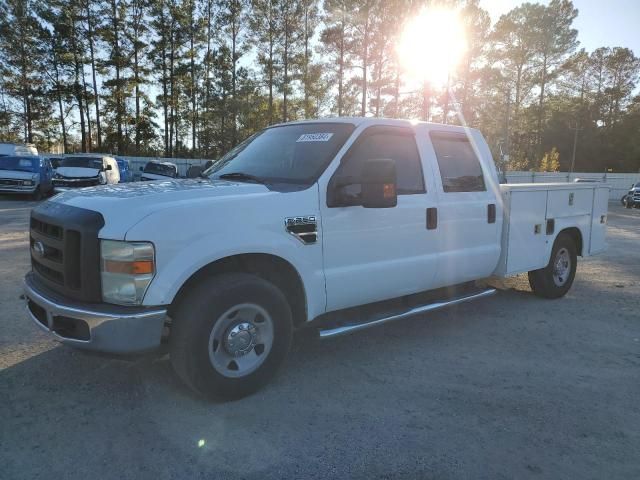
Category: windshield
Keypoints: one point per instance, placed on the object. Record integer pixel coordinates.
(160, 169)
(84, 162)
(22, 164)
(287, 154)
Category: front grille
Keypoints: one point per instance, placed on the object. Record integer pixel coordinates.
(75, 182)
(65, 250)
(10, 182)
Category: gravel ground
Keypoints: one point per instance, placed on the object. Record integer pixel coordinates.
(508, 387)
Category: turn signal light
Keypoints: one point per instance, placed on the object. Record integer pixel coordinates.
(130, 268)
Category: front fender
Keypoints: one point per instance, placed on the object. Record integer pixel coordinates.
(187, 240)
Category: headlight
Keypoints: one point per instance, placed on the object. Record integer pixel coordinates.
(57, 175)
(27, 182)
(126, 269)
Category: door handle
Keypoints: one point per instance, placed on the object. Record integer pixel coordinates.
(491, 213)
(432, 218)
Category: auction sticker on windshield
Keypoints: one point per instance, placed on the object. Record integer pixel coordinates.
(314, 137)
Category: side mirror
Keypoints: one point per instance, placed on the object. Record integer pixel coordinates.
(379, 182)
(141, 169)
(108, 167)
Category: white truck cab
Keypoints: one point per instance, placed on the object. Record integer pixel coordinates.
(336, 224)
(85, 170)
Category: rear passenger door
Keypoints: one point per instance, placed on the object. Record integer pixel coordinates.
(469, 214)
(372, 254)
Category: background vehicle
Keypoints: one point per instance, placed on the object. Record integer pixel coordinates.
(125, 170)
(336, 225)
(14, 149)
(85, 170)
(26, 174)
(159, 171)
(632, 198)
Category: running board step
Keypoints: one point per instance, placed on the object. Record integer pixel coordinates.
(344, 329)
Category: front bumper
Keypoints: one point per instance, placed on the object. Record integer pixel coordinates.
(98, 327)
(28, 189)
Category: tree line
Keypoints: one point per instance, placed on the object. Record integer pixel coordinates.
(193, 78)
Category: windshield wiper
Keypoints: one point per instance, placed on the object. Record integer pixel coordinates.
(240, 176)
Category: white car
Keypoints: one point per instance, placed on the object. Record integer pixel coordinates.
(335, 225)
(85, 170)
(159, 171)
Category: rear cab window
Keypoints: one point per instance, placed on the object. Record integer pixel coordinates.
(459, 166)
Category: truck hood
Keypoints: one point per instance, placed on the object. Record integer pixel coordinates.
(125, 204)
(77, 172)
(17, 174)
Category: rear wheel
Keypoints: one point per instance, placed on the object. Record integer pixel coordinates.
(230, 334)
(555, 280)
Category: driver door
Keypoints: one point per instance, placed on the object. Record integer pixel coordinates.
(372, 254)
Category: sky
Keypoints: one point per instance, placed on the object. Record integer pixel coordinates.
(600, 23)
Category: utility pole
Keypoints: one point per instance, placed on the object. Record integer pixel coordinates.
(575, 129)
(426, 100)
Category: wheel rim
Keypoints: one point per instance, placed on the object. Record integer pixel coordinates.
(561, 267)
(240, 340)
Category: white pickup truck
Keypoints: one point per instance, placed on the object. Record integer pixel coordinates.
(335, 225)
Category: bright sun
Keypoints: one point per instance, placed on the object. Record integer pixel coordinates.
(432, 44)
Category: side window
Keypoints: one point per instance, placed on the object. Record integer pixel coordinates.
(459, 167)
(398, 146)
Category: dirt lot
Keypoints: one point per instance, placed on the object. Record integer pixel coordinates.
(508, 387)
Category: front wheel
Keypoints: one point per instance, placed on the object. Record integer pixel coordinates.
(230, 334)
(555, 280)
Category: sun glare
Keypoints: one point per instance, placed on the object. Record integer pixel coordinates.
(432, 44)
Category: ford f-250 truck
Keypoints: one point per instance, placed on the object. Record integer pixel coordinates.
(335, 225)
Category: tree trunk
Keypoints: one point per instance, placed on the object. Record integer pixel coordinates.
(93, 74)
(285, 79)
(193, 83)
(119, 95)
(77, 89)
(234, 61)
(365, 61)
(305, 68)
(341, 66)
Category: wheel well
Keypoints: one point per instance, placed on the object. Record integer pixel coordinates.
(575, 234)
(270, 267)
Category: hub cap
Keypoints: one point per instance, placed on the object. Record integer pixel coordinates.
(240, 340)
(561, 267)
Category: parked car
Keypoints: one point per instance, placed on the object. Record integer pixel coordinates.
(125, 170)
(632, 198)
(159, 171)
(85, 170)
(24, 174)
(17, 149)
(335, 225)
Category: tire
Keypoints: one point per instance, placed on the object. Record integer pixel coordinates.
(555, 280)
(628, 204)
(229, 335)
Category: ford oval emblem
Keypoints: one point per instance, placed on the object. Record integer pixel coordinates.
(38, 249)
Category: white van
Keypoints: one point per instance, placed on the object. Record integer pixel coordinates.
(15, 149)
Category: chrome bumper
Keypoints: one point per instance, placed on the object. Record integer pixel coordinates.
(28, 189)
(98, 327)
